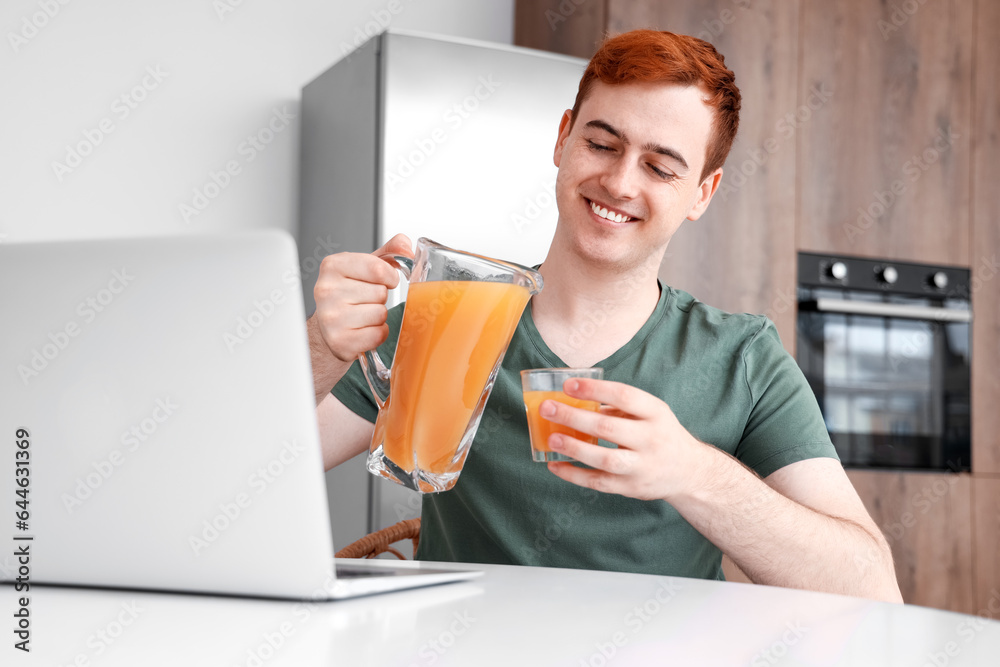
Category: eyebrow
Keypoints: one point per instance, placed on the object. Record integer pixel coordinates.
(648, 146)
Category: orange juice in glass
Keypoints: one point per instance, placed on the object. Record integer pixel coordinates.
(460, 315)
(541, 384)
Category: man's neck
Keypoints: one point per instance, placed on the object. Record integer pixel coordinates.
(585, 312)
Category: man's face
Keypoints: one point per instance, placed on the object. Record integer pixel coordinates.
(629, 170)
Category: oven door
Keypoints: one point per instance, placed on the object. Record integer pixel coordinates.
(892, 379)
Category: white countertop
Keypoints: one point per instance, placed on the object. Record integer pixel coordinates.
(510, 616)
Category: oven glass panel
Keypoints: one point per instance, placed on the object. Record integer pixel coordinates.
(894, 392)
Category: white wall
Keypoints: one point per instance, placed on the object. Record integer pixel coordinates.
(203, 77)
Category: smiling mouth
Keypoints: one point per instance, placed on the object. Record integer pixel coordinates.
(607, 214)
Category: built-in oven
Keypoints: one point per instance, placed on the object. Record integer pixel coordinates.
(886, 348)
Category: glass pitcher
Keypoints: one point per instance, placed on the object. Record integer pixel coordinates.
(461, 312)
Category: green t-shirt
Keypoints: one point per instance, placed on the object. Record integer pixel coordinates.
(725, 376)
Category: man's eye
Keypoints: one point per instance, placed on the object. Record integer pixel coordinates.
(660, 173)
(597, 147)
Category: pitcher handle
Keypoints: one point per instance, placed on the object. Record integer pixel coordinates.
(375, 370)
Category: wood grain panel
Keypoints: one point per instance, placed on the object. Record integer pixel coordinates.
(986, 496)
(985, 259)
(884, 171)
(740, 256)
(572, 27)
(927, 519)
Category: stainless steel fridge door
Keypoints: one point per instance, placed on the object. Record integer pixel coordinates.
(468, 132)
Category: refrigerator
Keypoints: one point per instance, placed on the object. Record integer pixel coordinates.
(445, 138)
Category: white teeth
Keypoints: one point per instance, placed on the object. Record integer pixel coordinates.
(607, 215)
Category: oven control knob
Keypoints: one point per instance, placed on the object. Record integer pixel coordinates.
(889, 275)
(939, 279)
(837, 270)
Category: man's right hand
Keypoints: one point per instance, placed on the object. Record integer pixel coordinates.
(350, 316)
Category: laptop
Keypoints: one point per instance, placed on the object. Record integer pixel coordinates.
(157, 393)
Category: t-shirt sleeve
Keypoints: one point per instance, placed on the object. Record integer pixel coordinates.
(353, 390)
(785, 424)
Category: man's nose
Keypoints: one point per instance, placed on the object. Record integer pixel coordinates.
(621, 179)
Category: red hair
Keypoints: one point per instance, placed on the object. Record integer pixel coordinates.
(653, 55)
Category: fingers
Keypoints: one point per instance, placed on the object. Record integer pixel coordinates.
(361, 267)
(353, 279)
(359, 316)
(614, 412)
(348, 344)
(608, 424)
(399, 244)
(352, 275)
(595, 478)
(650, 440)
(627, 399)
(618, 461)
(591, 479)
(351, 329)
(362, 292)
(350, 294)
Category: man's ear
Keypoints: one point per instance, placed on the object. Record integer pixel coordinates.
(564, 125)
(705, 192)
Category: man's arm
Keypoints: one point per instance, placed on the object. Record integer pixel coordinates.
(802, 527)
(350, 318)
(326, 368)
(342, 433)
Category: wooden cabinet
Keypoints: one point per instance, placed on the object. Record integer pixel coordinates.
(740, 256)
(885, 165)
(927, 519)
(572, 27)
(986, 516)
(985, 260)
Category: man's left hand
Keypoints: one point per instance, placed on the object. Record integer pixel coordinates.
(654, 451)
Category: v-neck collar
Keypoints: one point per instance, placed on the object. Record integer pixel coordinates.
(528, 322)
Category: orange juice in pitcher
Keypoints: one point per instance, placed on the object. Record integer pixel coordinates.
(460, 315)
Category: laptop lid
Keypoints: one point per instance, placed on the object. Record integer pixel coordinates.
(161, 389)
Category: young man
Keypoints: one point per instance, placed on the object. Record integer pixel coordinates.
(721, 446)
